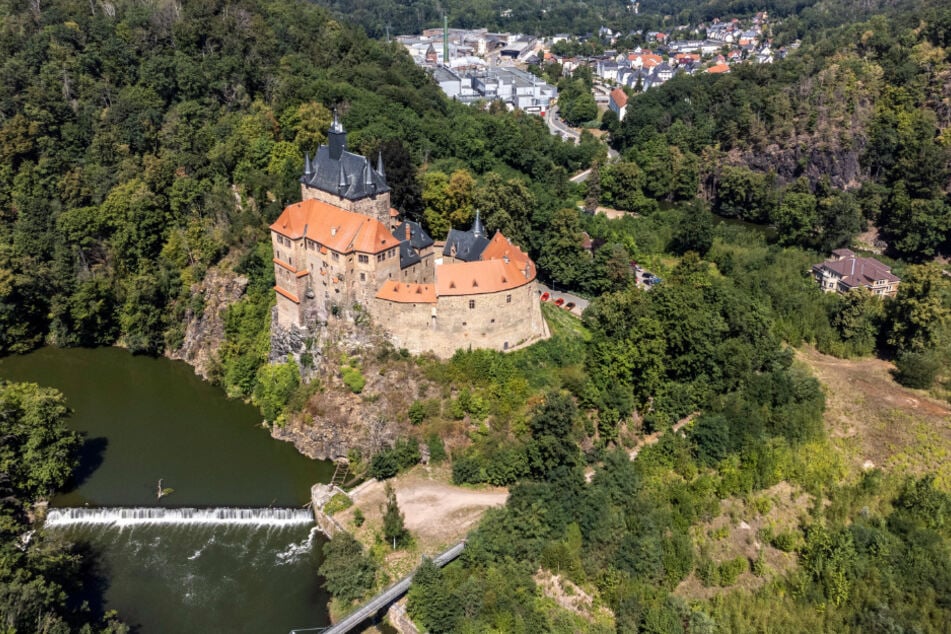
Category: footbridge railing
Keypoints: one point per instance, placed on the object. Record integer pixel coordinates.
(385, 598)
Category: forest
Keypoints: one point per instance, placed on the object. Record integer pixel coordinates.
(41, 575)
(145, 144)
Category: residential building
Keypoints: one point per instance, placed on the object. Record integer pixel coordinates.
(845, 271)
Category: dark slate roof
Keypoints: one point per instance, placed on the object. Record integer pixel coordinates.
(351, 176)
(467, 245)
(408, 255)
(337, 171)
(418, 238)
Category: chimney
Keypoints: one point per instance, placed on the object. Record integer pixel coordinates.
(336, 138)
(308, 170)
(409, 232)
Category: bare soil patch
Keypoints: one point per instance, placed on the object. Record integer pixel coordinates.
(874, 421)
(572, 597)
(437, 513)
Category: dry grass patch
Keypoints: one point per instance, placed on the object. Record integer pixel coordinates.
(570, 596)
(744, 530)
(874, 421)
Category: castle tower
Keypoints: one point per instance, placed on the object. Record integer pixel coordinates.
(344, 179)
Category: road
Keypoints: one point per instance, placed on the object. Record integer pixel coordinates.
(558, 127)
(580, 302)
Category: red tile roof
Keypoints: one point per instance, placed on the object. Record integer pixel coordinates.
(484, 276)
(619, 97)
(289, 295)
(855, 271)
(341, 230)
(404, 293)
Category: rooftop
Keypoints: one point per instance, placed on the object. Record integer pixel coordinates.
(336, 228)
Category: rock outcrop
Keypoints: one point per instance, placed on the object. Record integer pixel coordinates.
(204, 328)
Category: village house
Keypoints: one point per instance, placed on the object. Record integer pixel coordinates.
(618, 103)
(845, 271)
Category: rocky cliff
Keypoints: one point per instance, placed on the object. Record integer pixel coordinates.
(335, 420)
(204, 328)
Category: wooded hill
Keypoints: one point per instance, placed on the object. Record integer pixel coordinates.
(143, 144)
(851, 128)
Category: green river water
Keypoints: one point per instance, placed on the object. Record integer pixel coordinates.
(146, 419)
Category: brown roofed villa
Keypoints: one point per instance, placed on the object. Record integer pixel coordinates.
(845, 271)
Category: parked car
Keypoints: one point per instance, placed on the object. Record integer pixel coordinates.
(559, 301)
(545, 297)
(569, 305)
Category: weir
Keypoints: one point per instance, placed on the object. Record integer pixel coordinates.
(121, 517)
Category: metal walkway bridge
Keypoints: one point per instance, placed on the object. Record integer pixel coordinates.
(384, 599)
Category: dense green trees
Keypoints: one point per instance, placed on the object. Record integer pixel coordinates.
(40, 573)
(348, 572)
(742, 140)
(144, 145)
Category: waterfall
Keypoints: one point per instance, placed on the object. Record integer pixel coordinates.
(122, 517)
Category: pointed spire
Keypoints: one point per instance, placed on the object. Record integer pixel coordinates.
(478, 230)
(336, 126)
(367, 173)
(308, 170)
(336, 138)
(379, 165)
(342, 183)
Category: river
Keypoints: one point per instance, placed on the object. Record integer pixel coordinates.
(146, 419)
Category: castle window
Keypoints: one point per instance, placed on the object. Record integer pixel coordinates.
(363, 277)
(471, 303)
(508, 299)
(336, 256)
(364, 259)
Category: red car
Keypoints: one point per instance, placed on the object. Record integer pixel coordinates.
(545, 297)
(559, 301)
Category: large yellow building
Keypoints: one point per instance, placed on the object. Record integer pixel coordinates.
(343, 251)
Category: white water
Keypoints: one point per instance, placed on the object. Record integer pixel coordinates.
(294, 552)
(123, 517)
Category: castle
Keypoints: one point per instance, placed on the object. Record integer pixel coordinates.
(343, 251)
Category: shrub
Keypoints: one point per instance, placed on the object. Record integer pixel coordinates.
(389, 462)
(417, 412)
(915, 370)
(437, 450)
(787, 541)
(339, 502)
(353, 379)
(731, 570)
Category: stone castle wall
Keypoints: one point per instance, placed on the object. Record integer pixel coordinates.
(500, 321)
(374, 206)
